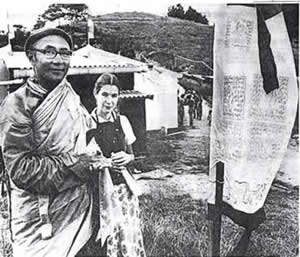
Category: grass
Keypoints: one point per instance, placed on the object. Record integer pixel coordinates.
(165, 35)
(177, 226)
(159, 151)
(174, 227)
(278, 235)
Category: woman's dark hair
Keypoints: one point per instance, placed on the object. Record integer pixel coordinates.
(106, 79)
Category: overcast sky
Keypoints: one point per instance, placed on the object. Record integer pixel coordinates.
(25, 12)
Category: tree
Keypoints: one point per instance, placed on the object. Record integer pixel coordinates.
(64, 13)
(176, 11)
(192, 15)
(21, 35)
(3, 39)
(41, 22)
(70, 17)
(127, 48)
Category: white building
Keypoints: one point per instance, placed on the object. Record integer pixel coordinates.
(162, 84)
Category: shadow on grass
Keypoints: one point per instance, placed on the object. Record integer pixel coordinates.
(160, 151)
(174, 226)
(177, 153)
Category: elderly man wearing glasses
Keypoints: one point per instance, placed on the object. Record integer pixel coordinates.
(43, 127)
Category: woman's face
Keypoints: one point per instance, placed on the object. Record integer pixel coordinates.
(107, 98)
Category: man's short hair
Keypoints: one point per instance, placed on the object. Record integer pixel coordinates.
(35, 35)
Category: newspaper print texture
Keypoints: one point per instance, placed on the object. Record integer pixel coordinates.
(250, 129)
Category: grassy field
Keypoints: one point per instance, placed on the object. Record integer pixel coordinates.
(177, 226)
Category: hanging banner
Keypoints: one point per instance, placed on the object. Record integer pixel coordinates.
(251, 126)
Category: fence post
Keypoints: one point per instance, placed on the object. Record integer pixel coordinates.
(214, 223)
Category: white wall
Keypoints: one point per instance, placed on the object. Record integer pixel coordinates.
(162, 110)
(4, 76)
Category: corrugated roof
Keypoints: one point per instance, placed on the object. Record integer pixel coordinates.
(96, 55)
(129, 94)
(87, 60)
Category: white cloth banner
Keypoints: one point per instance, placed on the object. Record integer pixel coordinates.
(250, 129)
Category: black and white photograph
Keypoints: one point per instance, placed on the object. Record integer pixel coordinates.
(149, 128)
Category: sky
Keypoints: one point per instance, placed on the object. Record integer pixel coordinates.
(26, 12)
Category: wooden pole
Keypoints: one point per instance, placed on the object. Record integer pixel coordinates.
(214, 225)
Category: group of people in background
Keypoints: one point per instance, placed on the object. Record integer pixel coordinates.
(193, 102)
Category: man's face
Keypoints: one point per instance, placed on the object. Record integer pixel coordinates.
(50, 71)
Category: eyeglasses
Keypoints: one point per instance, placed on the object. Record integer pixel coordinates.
(52, 53)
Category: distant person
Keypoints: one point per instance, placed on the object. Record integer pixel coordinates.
(196, 99)
(209, 117)
(199, 108)
(191, 104)
(180, 102)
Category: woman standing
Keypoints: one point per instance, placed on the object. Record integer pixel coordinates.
(115, 137)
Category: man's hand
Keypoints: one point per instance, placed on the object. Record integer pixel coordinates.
(100, 162)
(94, 162)
(120, 159)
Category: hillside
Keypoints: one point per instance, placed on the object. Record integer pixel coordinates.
(170, 42)
(161, 39)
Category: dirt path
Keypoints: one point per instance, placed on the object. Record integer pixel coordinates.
(188, 173)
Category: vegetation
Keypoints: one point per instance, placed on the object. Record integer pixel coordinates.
(69, 12)
(191, 14)
(21, 35)
(161, 40)
(142, 36)
(177, 226)
(176, 11)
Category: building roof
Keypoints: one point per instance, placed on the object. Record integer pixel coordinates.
(130, 94)
(87, 60)
(124, 94)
